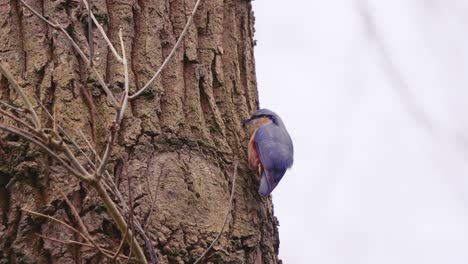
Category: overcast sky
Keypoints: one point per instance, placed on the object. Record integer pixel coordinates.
(375, 97)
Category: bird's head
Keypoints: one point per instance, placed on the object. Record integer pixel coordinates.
(261, 117)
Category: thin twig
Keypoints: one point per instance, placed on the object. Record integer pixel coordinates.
(17, 109)
(82, 225)
(120, 221)
(75, 162)
(106, 155)
(227, 214)
(152, 198)
(11, 116)
(103, 33)
(90, 147)
(92, 107)
(104, 86)
(130, 196)
(24, 98)
(29, 137)
(115, 191)
(66, 149)
(58, 221)
(126, 82)
(58, 27)
(125, 210)
(90, 35)
(171, 54)
(122, 242)
(74, 44)
(116, 125)
(39, 15)
(64, 132)
(93, 165)
(69, 241)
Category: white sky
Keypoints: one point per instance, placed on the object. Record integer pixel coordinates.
(375, 97)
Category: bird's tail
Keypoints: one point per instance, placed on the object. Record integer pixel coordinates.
(270, 178)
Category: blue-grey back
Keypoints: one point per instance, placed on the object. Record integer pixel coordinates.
(275, 146)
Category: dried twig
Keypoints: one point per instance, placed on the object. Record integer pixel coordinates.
(92, 107)
(77, 217)
(11, 116)
(69, 241)
(24, 98)
(103, 32)
(90, 35)
(120, 221)
(57, 26)
(31, 138)
(121, 112)
(110, 205)
(121, 245)
(227, 214)
(64, 132)
(123, 106)
(89, 144)
(171, 54)
(17, 109)
(58, 221)
(39, 15)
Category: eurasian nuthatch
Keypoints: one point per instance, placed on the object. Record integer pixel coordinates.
(270, 149)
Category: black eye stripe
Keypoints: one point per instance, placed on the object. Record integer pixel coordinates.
(260, 116)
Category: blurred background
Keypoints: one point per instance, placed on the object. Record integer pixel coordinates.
(375, 97)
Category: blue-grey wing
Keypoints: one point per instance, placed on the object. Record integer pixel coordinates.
(275, 149)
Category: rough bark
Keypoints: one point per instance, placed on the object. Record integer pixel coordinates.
(177, 144)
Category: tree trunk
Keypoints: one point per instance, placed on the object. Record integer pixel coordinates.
(173, 160)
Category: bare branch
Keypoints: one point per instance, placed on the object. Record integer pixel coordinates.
(57, 26)
(53, 25)
(74, 44)
(116, 125)
(90, 35)
(88, 143)
(227, 214)
(69, 241)
(76, 163)
(123, 107)
(79, 171)
(103, 33)
(11, 116)
(17, 109)
(29, 137)
(121, 245)
(24, 98)
(95, 71)
(120, 221)
(82, 225)
(125, 210)
(104, 86)
(106, 156)
(58, 221)
(130, 197)
(65, 148)
(64, 132)
(171, 54)
(93, 111)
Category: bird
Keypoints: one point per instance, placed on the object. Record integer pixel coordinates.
(270, 150)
